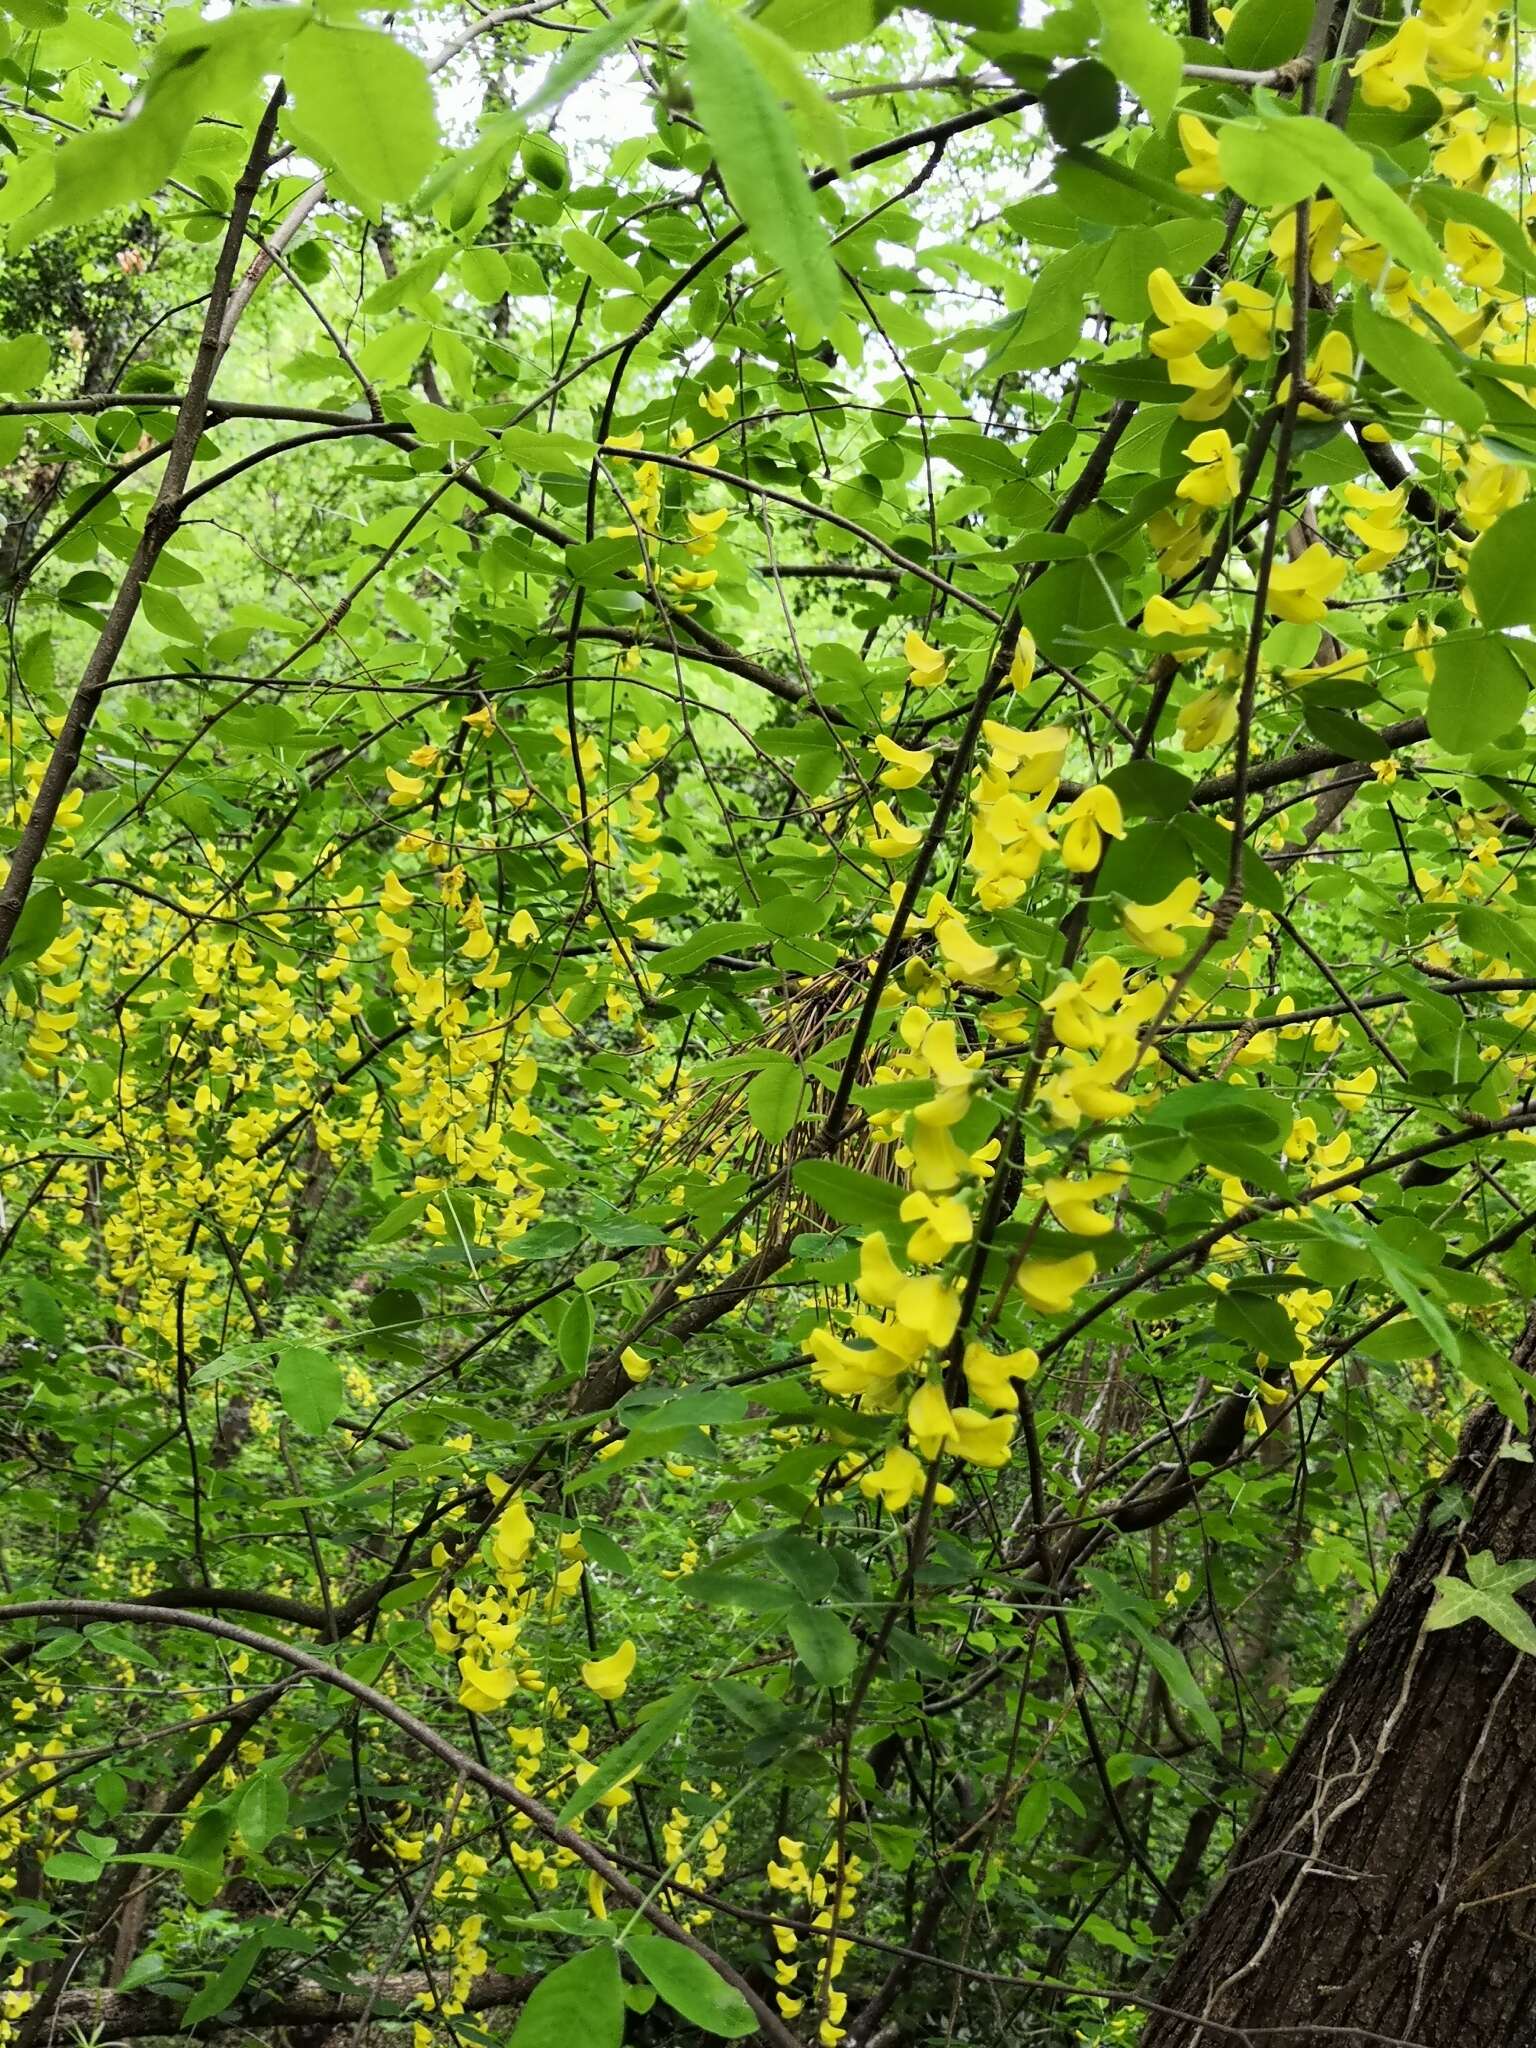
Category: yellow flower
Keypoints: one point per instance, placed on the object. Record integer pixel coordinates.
(483, 1690)
(718, 403)
(1419, 641)
(1030, 760)
(1299, 590)
(1376, 519)
(1330, 374)
(897, 1481)
(928, 665)
(1202, 170)
(1479, 259)
(893, 840)
(1090, 818)
(512, 1536)
(1326, 224)
(929, 1308)
(608, 1676)
(1161, 619)
(964, 956)
(1050, 1284)
(942, 1224)
(403, 789)
(982, 1439)
(1356, 1091)
(929, 1421)
(1021, 669)
(394, 895)
(1214, 482)
(1352, 666)
(1186, 326)
(1071, 1201)
(1078, 1009)
(1153, 925)
(880, 1278)
(1489, 488)
(990, 1377)
(1208, 720)
(1250, 321)
(1390, 71)
(907, 767)
(1211, 392)
(635, 1366)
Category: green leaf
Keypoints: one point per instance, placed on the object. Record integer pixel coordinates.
(1278, 159)
(1081, 103)
(623, 1761)
(44, 1317)
(1478, 694)
(580, 2002)
(1258, 1322)
(1255, 161)
(773, 1100)
(1404, 1283)
(261, 1811)
(1345, 735)
(1145, 56)
(649, 1408)
(1264, 33)
(309, 1387)
(754, 147)
(707, 943)
(848, 1195)
(1492, 1374)
(822, 128)
(580, 59)
(1487, 1595)
(40, 922)
(1500, 570)
(37, 14)
(221, 1991)
(397, 1221)
(818, 24)
(200, 69)
(573, 1339)
(824, 1645)
(23, 363)
(391, 353)
(203, 1853)
(602, 264)
(366, 102)
(68, 1866)
(1173, 1669)
(1416, 365)
(691, 1987)
(1161, 191)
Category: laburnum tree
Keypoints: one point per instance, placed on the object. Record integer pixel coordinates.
(766, 1023)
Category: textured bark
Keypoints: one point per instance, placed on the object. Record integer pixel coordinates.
(137, 2015)
(1386, 1888)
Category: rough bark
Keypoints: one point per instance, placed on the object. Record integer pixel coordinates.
(137, 2015)
(1386, 1888)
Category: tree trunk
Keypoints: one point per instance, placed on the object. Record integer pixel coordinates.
(1386, 1888)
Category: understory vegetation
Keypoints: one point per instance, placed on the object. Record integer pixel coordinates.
(766, 989)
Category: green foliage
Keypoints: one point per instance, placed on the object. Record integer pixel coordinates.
(767, 973)
(1487, 1594)
(582, 1998)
